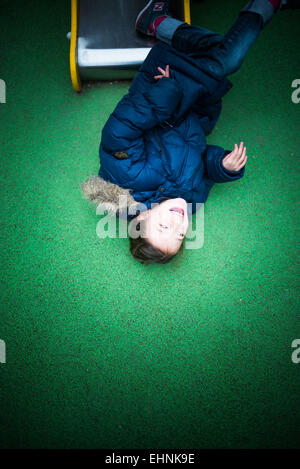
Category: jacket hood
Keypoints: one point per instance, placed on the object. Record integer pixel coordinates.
(108, 196)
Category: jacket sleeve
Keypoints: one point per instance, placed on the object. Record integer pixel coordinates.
(215, 170)
(138, 112)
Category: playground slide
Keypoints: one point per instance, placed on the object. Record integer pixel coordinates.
(103, 42)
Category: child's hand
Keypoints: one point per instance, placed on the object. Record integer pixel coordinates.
(165, 73)
(235, 160)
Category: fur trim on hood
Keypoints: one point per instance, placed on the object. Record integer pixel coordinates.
(108, 196)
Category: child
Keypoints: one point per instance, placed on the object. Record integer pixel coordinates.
(153, 148)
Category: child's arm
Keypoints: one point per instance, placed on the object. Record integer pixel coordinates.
(222, 165)
(122, 149)
(138, 112)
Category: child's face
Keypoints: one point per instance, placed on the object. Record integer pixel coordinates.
(166, 224)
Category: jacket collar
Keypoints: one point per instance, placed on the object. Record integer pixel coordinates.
(115, 199)
(108, 196)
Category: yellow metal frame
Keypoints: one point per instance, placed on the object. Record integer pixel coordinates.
(73, 47)
(187, 11)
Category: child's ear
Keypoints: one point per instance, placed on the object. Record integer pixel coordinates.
(142, 215)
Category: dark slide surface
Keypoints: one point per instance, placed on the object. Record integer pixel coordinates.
(110, 24)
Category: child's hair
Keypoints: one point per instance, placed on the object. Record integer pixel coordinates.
(144, 252)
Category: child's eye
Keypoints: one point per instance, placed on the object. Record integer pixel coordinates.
(181, 235)
(164, 227)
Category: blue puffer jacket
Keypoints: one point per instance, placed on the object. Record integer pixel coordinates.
(154, 142)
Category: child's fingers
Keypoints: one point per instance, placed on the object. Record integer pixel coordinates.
(243, 163)
(230, 155)
(234, 153)
(241, 158)
(157, 77)
(166, 72)
(240, 151)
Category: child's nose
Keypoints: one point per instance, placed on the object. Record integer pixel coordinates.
(175, 223)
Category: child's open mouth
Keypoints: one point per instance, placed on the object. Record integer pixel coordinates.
(178, 210)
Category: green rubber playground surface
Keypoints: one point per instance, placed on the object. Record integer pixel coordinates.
(102, 351)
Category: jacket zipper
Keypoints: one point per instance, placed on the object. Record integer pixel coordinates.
(158, 139)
